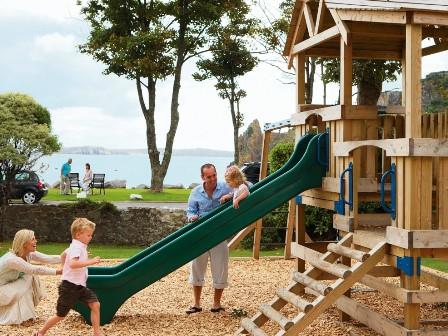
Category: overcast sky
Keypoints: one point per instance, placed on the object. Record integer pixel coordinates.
(39, 56)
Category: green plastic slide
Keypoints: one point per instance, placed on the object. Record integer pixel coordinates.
(114, 285)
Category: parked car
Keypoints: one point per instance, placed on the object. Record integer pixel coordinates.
(252, 171)
(27, 186)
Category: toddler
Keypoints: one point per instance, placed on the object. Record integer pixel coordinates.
(236, 180)
(74, 277)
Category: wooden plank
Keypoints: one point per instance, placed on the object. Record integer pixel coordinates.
(320, 16)
(385, 288)
(413, 80)
(434, 49)
(309, 19)
(317, 39)
(401, 187)
(442, 190)
(439, 19)
(342, 26)
(436, 279)
(395, 109)
(321, 194)
(357, 53)
(399, 237)
(301, 234)
(372, 16)
(417, 147)
(290, 227)
(344, 223)
(346, 73)
(299, 31)
(387, 4)
(318, 202)
(360, 112)
(426, 174)
(373, 219)
(368, 317)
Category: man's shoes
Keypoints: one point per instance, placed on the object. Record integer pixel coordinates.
(217, 310)
(193, 310)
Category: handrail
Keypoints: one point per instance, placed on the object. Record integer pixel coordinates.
(393, 190)
(340, 205)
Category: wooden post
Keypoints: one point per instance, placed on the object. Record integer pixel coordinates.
(300, 233)
(346, 101)
(263, 173)
(290, 227)
(413, 165)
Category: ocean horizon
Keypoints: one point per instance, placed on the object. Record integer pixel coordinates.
(134, 168)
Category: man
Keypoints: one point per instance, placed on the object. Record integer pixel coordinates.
(203, 199)
(65, 181)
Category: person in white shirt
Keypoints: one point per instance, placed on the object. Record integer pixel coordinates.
(87, 179)
(20, 289)
(236, 180)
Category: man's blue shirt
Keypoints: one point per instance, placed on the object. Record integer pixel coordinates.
(200, 204)
(66, 168)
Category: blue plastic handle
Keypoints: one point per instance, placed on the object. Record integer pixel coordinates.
(392, 209)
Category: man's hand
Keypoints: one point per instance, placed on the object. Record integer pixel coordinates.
(225, 198)
(193, 218)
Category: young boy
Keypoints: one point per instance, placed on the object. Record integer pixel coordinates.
(74, 277)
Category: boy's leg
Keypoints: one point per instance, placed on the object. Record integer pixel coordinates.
(49, 324)
(95, 317)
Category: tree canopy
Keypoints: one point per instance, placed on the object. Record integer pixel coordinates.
(150, 40)
(25, 135)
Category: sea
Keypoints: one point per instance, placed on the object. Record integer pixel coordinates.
(134, 168)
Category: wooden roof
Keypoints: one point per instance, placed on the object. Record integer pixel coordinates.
(375, 27)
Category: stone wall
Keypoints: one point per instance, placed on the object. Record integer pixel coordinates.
(134, 226)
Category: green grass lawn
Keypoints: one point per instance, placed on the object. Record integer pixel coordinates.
(120, 252)
(117, 195)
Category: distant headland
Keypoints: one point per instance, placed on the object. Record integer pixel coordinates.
(90, 150)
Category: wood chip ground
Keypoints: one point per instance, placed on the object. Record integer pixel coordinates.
(160, 308)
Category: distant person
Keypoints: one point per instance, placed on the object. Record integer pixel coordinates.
(65, 181)
(74, 278)
(20, 290)
(203, 199)
(236, 180)
(87, 179)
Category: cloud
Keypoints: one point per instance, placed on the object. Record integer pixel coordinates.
(55, 43)
(91, 126)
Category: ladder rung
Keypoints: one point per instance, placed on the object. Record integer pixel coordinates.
(311, 283)
(274, 315)
(251, 327)
(339, 270)
(294, 299)
(347, 252)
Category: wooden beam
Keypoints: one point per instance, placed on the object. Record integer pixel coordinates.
(342, 26)
(233, 244)
(398, 147)
(309, 19)
(357, 53)
(316, 40)
(299, 31)
(430, 18)
(422, 239)
(434, 49)
(320, 16)
(344, 223)
(346, 73)
(373, 16)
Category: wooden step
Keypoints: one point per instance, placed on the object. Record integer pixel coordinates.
(274, 315)
(348, 252)
(294, 299)
(252, 328)
(311, 283)
(341, 271)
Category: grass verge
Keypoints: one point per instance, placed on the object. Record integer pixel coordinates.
(121, 195)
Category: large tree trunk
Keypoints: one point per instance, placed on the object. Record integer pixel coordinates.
(235, 122)
(369, 87)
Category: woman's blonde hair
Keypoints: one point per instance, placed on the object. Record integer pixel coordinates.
(233, 173)
(80, 224)
(20, 239)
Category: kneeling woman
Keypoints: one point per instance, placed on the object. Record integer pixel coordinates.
(20, 289)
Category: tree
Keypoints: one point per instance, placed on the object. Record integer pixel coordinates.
(368, 76)
(148, 41)
(231, 59)
(25, 136)
(272, 38)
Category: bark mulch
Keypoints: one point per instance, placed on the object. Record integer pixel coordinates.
(160, 308)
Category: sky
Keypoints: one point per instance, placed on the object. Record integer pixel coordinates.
(40, 57)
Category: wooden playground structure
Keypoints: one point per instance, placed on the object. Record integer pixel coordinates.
(402, 147)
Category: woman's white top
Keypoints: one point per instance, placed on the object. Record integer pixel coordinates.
(13, 267)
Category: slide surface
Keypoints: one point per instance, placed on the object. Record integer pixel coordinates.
(114, 285)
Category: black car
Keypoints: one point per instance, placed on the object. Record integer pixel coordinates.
(252, 171)
(28, 187)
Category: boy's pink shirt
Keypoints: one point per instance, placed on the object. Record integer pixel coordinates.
(77, 276)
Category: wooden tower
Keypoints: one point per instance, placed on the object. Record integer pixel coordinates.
(367, 149)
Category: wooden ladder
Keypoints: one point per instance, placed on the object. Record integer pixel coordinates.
(325, 295)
